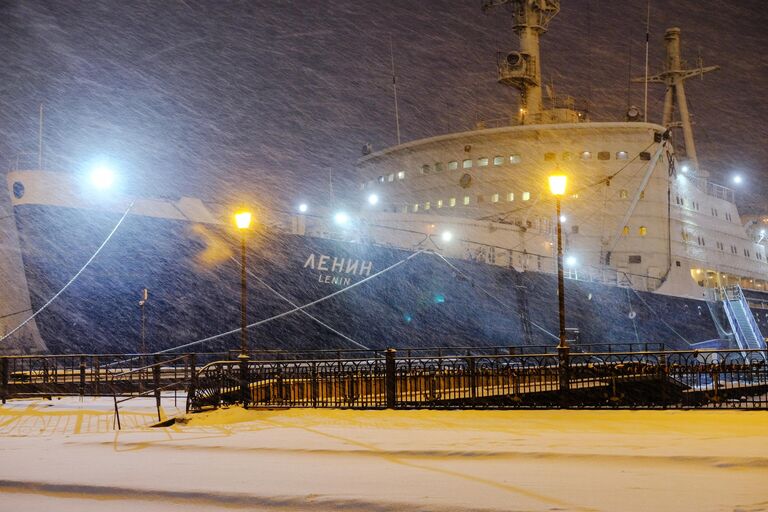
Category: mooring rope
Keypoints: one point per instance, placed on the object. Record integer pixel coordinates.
(74, 278)
(293, 310)
(542, 329)
(312, 317)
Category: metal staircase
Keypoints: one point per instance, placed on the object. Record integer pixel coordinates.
(745, 329)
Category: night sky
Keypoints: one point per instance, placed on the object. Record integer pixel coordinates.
(186, 97)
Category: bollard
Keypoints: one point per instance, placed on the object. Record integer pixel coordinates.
(563, 371)
(390, 378)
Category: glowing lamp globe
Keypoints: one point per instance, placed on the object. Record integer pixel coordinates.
(243, 220)
(557, 184)
(102, 177)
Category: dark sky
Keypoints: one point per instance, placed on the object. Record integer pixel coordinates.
(212, 98)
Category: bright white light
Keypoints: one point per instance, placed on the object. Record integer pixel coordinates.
(685, 168)
(303, 207)
(341, 218)
(762, 232)
(737, 179)
(570, 261)
(447, 236)
(373, 199)
(102, 177)
(563, 218)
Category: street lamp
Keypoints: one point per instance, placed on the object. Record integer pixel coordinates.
(243, 222)
(557, 186)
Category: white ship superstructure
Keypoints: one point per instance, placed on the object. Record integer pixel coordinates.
(636, 214)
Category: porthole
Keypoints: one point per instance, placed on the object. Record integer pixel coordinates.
(18, 189)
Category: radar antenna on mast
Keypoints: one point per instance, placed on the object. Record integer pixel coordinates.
(522, 69)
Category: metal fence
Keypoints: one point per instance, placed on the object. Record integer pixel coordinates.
(647, 379)
(459, 377)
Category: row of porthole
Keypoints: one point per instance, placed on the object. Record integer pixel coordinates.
(467, 200)
(700, 240)
(497, 161)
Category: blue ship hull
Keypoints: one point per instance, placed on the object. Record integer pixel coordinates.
(193, 275)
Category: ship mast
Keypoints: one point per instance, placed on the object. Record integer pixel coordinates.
(522, 69)
(674, 77)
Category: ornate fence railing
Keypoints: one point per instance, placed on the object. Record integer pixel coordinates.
(460, 377)
(648, 379)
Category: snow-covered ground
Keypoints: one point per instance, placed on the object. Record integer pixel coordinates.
(64, 455)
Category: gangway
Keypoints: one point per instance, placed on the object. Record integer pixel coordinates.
(746, 332)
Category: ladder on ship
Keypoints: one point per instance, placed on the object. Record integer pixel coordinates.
(746, 332)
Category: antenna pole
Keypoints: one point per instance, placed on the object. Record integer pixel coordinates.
(394, 88)
(40, 140)
(647, 38)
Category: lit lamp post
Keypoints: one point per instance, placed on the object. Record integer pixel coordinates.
(243, 222)
(557, 186)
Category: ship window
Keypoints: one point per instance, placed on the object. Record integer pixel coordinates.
(604, 155)
(515, 159)
(391, 177)
(635, 258)
(621, 155)
(677, 263)
(644, 155)
(426, 205)
(625, 231)
(415, 208)
(439, 203)
(567, 155)
(438, 167)
(495, 198)
(510, 196)
(381, 179)
(526, 196)
(498, 160)
(575, 230)
(586, 155)
(452, 202)
(623, 194)
(453, 165)
(425, 169)
(18, 189)
(362, 187)
(548, 157)
(746, 253)
(642, 194)
(466, 200)
(467, 164)
(401, 175)
(483, 162)
(480, 198)
(643, 231)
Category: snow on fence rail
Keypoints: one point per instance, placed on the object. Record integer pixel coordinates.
(462, 377)
(651, 379)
